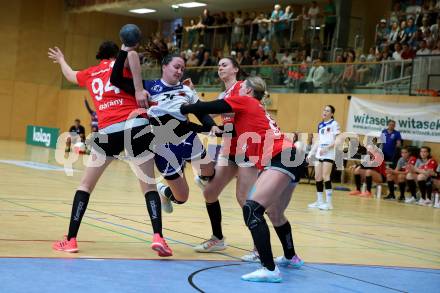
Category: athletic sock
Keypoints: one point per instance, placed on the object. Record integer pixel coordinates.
(369, 181)
(284, 233)
(422, 188)
(152, 200)
(328, 191)
(319, 190)
(79, 206)
(391, 187)
(402, 186)
(215, 216)
(412, 188)
(357, 180)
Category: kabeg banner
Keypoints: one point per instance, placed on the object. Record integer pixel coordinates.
(414, 121)
(42, 136)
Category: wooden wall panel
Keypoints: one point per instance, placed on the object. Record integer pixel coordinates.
(23, 108)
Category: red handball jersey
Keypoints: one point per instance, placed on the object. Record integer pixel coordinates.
(112, 104)
(258, 135)
(411, 162)
(381, 168)
(431, 164)
(230, 145)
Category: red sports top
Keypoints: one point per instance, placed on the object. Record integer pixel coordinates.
(411, 162)
(430, 164)
(112, 104)
(230, 145)
(258, 135)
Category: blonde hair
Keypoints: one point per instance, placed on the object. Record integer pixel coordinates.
(258, 85)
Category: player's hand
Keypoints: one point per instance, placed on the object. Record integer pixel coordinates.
(188, 82)
(215, 130)
(142, 98)
(308, 159)
(128, 49)
(55, 54)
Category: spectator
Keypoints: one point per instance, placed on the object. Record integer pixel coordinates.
(286, 59)
(435, 29)
(178, 32)
(247, 59)
(207, 21)
(93, 117)
(436, 50)
(77, 134)
(371, 57)
(286, 23)
(192, 61)
(362, 71)
(237, 30)
(407, 52)
(392, 141)
(402, 37)
(263, 26)
(413, 10)
(382, 33)
(276, 28)
(410, 32)
(349, 75)
(239, 58)
(398, 174)
(397, 54)
(335, 76)
(393, 36)
(314, 14)
(329, 23)
(423, 49)
(397, 13)
(314, 78)
(206, 74)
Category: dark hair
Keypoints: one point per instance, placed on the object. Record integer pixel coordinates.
(241, 73)
(77, 120)
(333, 110)
(107, 50)
(428, 149)
(391, 120)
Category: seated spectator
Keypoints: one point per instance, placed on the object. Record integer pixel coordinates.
(423, 49)
(410, 32)
(335, 76)
(369, 171)
(362, 71)
(435, 29)
(398, 174)
(407, 52)
(314, 78)
(423, 171)
(436, 187)
(382, 33)
(393, 35)
(77, 134)
(349, 75)
(192, 61)
(247, 59)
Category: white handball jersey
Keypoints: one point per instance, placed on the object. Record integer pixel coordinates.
(327, 132)
(167, 99)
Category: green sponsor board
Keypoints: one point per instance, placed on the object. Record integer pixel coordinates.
(42, 136)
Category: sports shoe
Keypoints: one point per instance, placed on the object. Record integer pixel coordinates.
(354, 192)
(200, 182)
(326, 206)
(366, 194)
(421, 202)
(251, 257)
(412, 199)
(160, 245)
(264, 275)
(295, 262)
(167, 205)
(437, 205)
(211, 245)
(389, 197)
(428, 202)
(315, 204)
(66, 245)
(402, 198)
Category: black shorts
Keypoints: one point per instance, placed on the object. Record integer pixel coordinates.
(113, 144)
(294, 172)
(326, 160)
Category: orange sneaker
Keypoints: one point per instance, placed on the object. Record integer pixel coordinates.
(66, 245)
(354, 192)
(366, 194)
(160, 245)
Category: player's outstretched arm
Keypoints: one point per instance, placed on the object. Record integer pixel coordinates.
(58, 57)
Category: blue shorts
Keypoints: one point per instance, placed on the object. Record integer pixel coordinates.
(170, 158)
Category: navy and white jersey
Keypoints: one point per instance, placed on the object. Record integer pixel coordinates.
(327, 132)
(167, 99)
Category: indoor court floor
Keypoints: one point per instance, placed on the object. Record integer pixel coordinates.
(363, 245)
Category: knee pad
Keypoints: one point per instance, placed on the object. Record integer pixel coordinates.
(253, 214)
(319, 186)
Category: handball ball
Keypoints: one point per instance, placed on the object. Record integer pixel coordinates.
(79, 148)
(130, 35)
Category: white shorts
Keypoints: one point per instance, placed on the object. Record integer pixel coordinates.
(330, 155)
